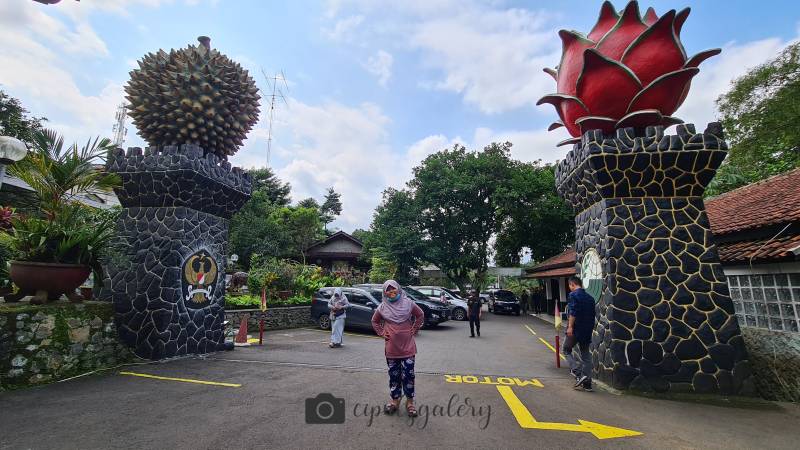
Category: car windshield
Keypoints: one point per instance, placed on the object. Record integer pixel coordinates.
(506, 296)
(453, 293)
(415, 294)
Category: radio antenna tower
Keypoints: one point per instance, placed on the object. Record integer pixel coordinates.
(119, 129)
(275, 96)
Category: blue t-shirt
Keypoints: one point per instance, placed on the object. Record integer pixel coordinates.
(581, 307)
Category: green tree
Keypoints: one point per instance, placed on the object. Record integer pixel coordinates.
(308, 203)
(532, 215)
(253, 229)
(15, 121)
(456, 192)
(395, 234)
(331, 207)
(760, 114)
(265, 180)
(383, 269)
(303, 228)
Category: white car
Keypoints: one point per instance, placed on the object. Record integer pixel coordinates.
(458, 306)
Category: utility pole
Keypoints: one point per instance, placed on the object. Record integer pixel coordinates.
(119, 129)
(277, 94)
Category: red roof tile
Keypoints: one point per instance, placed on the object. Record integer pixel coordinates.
(565, 259)
(759, 250)
(772, 201)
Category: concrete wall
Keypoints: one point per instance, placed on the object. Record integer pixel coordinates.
(775, 361)
(39, 344)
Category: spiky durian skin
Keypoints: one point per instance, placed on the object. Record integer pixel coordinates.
(194, 95)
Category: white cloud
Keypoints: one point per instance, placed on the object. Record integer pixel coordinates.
(344, 28)
(380, 65)
(326, 145)
(717, 73)
(493, 57)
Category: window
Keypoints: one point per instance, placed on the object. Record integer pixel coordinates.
(357, 299)
(770, 301)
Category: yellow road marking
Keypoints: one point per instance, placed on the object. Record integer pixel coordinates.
(526, 420)
(345, 333)
(551, 348)
(507, 381)
(529, 329)
(183, 380)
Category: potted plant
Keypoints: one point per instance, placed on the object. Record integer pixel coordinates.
(59, 241)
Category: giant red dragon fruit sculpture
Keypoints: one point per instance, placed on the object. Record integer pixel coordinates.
(629, 71)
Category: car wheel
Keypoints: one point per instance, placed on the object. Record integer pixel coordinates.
(324, 322)
(459, 314)
(517, 312)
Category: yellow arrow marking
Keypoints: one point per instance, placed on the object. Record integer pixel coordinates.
(526, 420)
(183, 380)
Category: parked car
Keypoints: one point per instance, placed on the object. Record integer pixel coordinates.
(435, 312)
(359, 314)
(503, 301)
(458, 310)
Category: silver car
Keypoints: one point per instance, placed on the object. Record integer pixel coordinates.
(458, 305)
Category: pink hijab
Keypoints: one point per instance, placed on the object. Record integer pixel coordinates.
(398, 311)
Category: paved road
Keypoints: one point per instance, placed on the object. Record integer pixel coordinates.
(510, 395)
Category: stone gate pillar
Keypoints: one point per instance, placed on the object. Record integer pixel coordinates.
(168, 284)
(646, 253)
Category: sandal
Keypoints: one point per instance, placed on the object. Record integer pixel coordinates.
(411, 410)
(390, 408)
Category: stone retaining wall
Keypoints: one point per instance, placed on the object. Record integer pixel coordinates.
(274, 318)
(39, 344)
(775, 361)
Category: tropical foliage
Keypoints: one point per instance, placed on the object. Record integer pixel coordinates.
(760, 114)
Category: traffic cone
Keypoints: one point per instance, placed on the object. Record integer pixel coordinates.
(241, 336)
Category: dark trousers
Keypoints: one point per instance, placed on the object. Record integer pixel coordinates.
(474, 323)
(401, 377)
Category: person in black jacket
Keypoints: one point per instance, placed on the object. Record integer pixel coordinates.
(474, 312)
(579, 332)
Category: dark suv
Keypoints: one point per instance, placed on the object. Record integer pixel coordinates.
(435, 313)
(359, 314)
(503, 301)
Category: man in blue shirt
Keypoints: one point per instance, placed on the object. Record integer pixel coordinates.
(579, 331)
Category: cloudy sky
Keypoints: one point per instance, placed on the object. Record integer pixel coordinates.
(373, 86)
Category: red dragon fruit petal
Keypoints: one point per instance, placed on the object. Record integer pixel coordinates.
(680, 18)
(588, 123)
(605, 85)
(554, 125)
(608, 18)
(660, 94)
(569, 109)
(650, 16)
(628, 27)
(667, 121)
(551, 72)
(571, 63)
(640, 119)
(656, 51)
(573, 140)
(697, 59)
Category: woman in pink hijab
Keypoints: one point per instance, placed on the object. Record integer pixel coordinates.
(398, 319)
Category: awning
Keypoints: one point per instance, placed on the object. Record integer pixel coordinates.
(552, 273)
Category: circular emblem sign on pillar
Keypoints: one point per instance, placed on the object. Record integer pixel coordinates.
(592, 274)
(199, 274)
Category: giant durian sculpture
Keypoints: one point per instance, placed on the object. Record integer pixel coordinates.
(194, 95)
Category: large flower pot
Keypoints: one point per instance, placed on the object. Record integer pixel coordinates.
(47, 281)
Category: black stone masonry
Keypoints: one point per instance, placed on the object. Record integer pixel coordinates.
(665, 318)
(167, 283)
